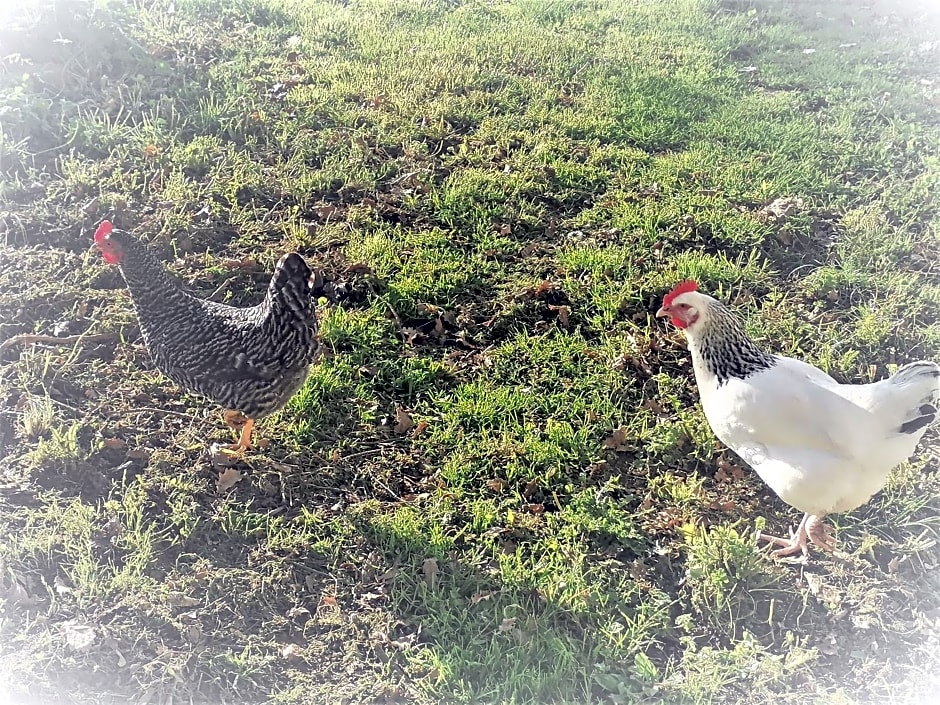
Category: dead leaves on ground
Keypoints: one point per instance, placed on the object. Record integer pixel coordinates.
(78, 636)
(232, 264)
(179, 600)
(404, 423)
(496, 484)
(563, 313)
(436, 327)
(403, 420)
(227, 479)
(617, 440)
(728, 471)
(780, 210)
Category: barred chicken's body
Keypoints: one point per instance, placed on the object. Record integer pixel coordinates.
(247, 359)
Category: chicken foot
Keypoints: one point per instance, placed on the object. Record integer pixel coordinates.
(821, 534)
(244, 442)
(235, 419)
(811, 529)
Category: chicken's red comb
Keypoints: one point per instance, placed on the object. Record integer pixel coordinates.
(103, 231)
(681, 288)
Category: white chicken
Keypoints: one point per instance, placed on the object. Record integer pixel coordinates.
(823, 447)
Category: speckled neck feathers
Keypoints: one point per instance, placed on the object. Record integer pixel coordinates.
(722, 348)
(150, 284)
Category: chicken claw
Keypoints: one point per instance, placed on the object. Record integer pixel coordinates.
(821, 534)
(244, 442)
(811, 529)
(797, 543)
(237, 420)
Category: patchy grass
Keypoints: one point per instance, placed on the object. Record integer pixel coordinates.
(496, 486)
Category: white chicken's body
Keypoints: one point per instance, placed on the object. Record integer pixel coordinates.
(823, 447)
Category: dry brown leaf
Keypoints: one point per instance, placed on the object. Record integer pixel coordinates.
(244, 263)
(496, 484)
(329, 601)
(403, 420)
(528, 249)
(113, 443)
(176, 599)
(79, 637)
(544, 287)
(419, 429)
(508, 624)
(728, 470)
(563, 312)
(478, 597)
(536, 508)
(411, 334)
(228, 478)
(325, 212)
(616, 440)
(780, 210)
(654, 406)
(430, 570)
(360, 268)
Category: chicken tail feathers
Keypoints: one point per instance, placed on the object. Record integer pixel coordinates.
(921, 380)
(921, 377)
(927, 415)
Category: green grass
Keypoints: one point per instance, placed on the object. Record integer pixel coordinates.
(498, 194)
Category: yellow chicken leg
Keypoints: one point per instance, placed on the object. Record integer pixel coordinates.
(244, 443)
(236, 419)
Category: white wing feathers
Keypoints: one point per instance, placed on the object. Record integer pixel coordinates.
(899, 399)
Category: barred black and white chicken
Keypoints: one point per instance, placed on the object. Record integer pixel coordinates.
(823, 447)
(250, 360)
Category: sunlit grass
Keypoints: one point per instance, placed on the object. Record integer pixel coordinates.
(496, 486)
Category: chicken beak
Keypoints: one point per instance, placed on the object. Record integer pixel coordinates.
(662, 312)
